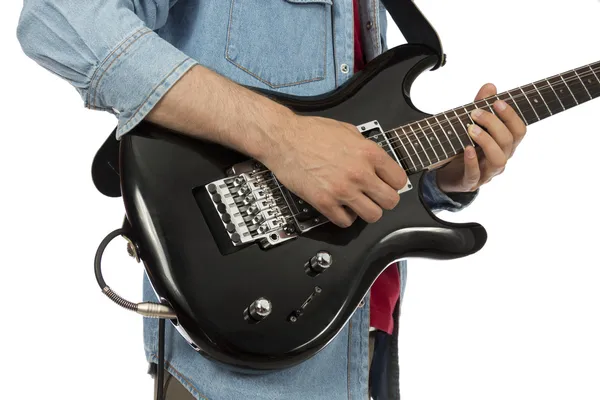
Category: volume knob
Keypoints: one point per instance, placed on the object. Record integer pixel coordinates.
(321, 261)
(260, 309)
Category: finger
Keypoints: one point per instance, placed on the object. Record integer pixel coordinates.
(339, 215)
(381, 193)
(496, 128)
(472, 173)
(390, 172)
(488, 172)
(365, 208)
(513, 122)
(487, 90)
(494, 155)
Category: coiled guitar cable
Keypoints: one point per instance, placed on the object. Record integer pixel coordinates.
(147, 309)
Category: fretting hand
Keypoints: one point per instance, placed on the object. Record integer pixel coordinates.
(497, 136)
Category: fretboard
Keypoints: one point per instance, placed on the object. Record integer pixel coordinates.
(425, 143)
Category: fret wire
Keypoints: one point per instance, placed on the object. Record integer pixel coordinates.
(556, 94)
(518, 108)
(454, 130)
(532, 107)
(563, 79)
(550, 86)
(420, 144)
(445, 134)
(592, 69)
(491, 108)
(413, 146)
(428, 141)
(438, 139)
(391, 148)
(542, 97)
(402, 143)
(464, 127)
(583, 84)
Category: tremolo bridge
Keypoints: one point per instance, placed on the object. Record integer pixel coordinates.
(255, 207)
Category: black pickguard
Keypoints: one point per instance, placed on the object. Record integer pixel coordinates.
(209, 282)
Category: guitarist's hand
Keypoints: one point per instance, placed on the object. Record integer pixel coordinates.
(498, 138)
(334, 168)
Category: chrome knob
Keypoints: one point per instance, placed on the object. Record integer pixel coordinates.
(321, 261)
(260, 309)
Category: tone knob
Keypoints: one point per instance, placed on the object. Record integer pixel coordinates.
(260, 309)
(321, 261)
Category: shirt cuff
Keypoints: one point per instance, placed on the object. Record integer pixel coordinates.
(135, 76)
(437, 200)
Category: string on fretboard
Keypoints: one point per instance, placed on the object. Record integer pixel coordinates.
(419, 145)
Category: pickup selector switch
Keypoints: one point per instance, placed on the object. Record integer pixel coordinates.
(319, 263)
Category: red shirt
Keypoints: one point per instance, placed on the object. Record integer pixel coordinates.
(385, 292)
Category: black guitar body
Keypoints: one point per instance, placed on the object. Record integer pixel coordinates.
(210, 283)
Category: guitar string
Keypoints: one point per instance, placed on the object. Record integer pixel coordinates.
(465, 134)
(545, 84)
(507, 100)
(405, 142)
(439, 145)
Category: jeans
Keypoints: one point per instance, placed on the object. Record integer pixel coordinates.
(174, 390)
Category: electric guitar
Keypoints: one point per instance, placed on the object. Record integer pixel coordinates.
(257, 278)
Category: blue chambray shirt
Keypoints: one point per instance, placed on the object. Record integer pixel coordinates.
(122, 56)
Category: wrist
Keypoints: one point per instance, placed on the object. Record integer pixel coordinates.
(270, 138)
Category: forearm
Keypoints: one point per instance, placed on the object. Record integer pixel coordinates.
(206, 105)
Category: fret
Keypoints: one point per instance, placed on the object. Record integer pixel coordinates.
(405, 158)
(537, 102)
(521, 100)
(432, 140)
(563, 92)
(428, 146)
(590, 77)
(450, 135)
(582, 83)
(458, 133)
(464, 117)
(576, 86)
(415, 145)
(435, 140)
(530, 104)
(511, 100)
(490, 108)
(550, 96)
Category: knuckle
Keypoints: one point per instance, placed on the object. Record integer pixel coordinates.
(339, 189)
(374, 215)
(344, 222)
(499, 163)
(357, 175)
(392, 201)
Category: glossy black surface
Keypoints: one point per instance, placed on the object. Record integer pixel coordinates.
(210, 288)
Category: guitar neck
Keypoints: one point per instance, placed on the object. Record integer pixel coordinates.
(427, 143)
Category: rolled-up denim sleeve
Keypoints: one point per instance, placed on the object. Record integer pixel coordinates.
(107, 49)
(437, 200)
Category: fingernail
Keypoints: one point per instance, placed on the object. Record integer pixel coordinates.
(477, 113)
(475, 130)
(500, 105)
(470, 152)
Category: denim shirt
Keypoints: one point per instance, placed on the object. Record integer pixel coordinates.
(122, 56)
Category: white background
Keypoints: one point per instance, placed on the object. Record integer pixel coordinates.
(519, 320)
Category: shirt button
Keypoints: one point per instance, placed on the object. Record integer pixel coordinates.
(345, 68)
(369, 25)
(361, 304)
